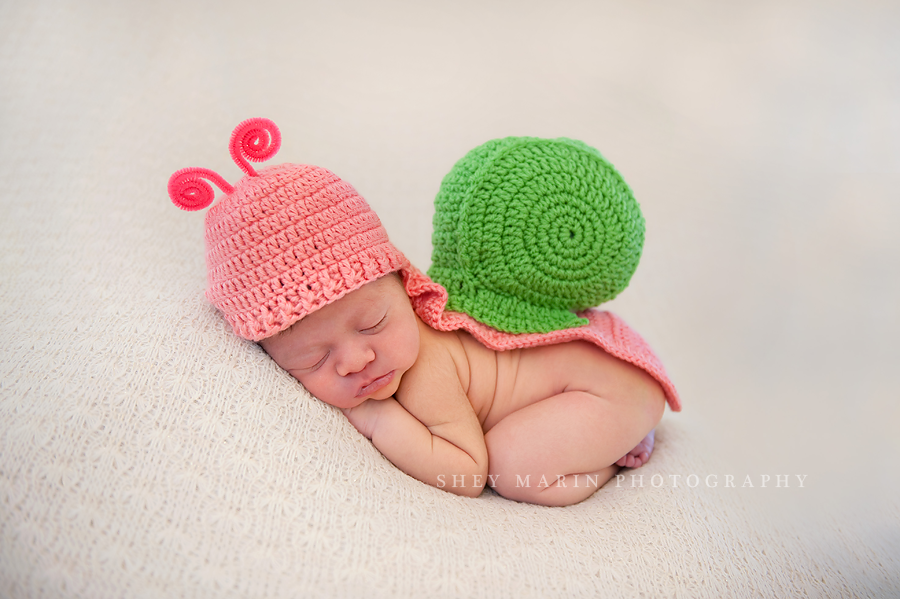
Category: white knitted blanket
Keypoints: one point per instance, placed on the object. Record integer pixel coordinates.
(146, 451)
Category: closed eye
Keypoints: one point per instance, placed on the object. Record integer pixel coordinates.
(376, 327)
(318, 364)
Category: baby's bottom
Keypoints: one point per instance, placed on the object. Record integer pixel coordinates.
(559, 450)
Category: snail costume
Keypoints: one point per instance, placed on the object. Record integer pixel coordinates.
(529, 235)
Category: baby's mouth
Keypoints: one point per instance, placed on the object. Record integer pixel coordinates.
(376, 384)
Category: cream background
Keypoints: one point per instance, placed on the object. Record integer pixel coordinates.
(762, 140)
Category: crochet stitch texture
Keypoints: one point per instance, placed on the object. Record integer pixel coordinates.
(529, 230)
(285, 241)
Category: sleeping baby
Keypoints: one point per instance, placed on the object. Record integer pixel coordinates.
(493, 370)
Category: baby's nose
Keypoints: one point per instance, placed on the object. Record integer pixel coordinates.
(355, 359)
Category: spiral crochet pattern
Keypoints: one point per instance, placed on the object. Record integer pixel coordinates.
(284, 241)
(529, 230)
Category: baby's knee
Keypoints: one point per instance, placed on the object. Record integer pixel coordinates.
(509, 475)
(502, 465)
(512, 485)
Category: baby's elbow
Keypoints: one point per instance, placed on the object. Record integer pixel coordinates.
(472, 491)
(476, 484)
(470, 482)
(466, 485)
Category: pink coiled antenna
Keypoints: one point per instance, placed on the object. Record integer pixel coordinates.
(254, 140)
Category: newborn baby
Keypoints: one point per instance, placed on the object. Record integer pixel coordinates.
(545, 425)
(547, 413)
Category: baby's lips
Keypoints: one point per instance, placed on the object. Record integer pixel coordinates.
(376, 384)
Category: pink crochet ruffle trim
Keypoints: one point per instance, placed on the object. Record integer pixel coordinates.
(605, 329)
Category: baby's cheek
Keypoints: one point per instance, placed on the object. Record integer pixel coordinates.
(331, 391)
(410, 345)
(309, 383)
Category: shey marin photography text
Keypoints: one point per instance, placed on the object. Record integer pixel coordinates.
(637, 480)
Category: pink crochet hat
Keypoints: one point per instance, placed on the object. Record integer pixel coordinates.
(284, 241)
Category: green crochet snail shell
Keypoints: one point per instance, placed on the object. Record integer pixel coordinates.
(528, 230)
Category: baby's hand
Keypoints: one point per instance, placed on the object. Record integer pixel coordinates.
(364, 416)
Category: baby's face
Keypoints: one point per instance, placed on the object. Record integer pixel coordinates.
(354, 349)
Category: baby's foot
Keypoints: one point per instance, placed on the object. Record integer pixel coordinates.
(638, 456)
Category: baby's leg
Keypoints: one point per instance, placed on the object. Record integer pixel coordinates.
(559, 450)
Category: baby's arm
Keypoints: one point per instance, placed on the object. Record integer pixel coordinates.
(431, 432)
(428, 454)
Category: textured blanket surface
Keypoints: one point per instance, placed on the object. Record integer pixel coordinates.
(146, 451)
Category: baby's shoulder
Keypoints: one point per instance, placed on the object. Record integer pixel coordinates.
(439, 346)
(434, 389)
(441, 362)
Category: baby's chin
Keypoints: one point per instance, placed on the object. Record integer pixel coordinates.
(348, 403)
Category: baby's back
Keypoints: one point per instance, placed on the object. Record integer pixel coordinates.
(498, 383)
